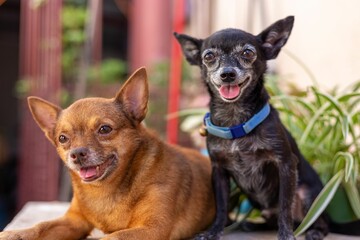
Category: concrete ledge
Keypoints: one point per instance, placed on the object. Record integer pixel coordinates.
(35, 212)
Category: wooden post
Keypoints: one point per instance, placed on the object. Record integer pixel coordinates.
(149, 32)
(40, 70)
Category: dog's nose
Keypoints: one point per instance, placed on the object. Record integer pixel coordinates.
(79, 155)
(228, 74)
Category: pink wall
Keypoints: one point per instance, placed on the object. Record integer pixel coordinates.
(149, 32)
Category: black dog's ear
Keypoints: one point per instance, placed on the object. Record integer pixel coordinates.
(190, 47)
(274, 37)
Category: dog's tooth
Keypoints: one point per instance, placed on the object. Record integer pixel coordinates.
(97, 169)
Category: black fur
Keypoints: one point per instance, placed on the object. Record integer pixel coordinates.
(266, 164)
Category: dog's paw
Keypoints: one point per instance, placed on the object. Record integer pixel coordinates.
(286, 236)
(208, 236)
(11, 235)
(24, 234)
(314, 234)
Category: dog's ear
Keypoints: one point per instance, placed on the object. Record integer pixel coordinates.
(191, 48)
(274, 37)
(45, 115)
(134, 95)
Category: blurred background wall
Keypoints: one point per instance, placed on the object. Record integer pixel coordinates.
(325, 36)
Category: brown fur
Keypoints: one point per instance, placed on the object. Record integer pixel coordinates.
(151, 190)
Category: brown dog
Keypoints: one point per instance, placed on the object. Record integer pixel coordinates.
(126, 181)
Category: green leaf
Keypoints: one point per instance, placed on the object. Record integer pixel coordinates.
(301, 101)
(189, 112)
(302, 65)
(331, 102)
(349, 164)
(353, 195)
(343, 115)
(347, 97)
(320, 203)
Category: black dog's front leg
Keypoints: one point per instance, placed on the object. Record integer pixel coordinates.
(221, 185)
(287, 172)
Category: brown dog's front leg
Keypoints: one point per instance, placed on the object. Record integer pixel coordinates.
(137, 233)
(221, 185)
(287, 171)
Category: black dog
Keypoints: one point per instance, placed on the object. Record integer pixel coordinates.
(246, 139)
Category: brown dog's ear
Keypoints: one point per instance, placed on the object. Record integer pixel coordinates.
(45, 115)
(274, 37)
(191, 48)
(134, 95)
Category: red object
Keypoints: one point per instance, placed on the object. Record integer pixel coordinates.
(40, 68)
(175, 72)
(149, 33)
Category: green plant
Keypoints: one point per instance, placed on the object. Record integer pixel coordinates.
(81, 77)
(74, 17)
(326, 126)
(110, 71)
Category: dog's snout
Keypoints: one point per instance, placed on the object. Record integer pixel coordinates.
(79, 155)
(228, 75)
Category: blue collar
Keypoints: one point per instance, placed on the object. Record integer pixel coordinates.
(240, 130)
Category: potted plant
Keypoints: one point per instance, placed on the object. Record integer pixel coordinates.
(326, 125)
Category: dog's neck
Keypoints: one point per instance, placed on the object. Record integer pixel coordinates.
(225, 114)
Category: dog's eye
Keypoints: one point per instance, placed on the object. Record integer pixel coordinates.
(209, 57)
(105, 129)
(63, 139)
(247, 54)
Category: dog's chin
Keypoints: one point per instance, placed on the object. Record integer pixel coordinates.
(98, 172)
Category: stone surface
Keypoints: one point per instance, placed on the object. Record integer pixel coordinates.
(34, 212)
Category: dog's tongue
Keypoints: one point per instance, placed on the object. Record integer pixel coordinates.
(86, 173)
(229, 91)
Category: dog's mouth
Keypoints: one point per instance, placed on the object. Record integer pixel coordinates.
(231, 91)
(92, 173)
